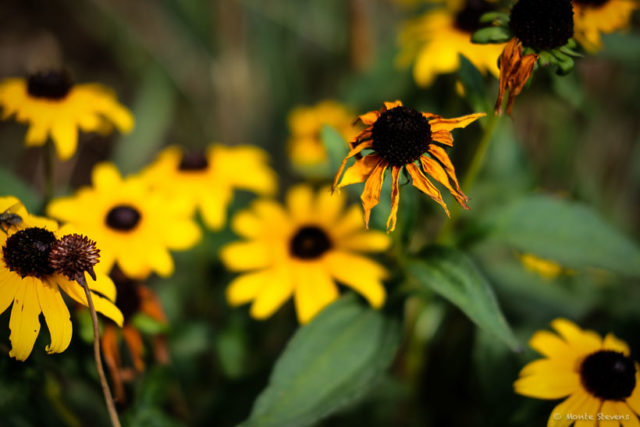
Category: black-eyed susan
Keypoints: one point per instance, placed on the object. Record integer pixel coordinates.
(134, 225)
(401, 137)
(598, 377)
(53, 105)
(207, 180)
(305, 127)
(133, 299)
(29, 281)
(537, 31)
(595, 17)
(438, 38)
(301, 251)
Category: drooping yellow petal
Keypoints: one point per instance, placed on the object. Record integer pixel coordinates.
(423, 184)
(393, 104)
(360, 170)
(56, 314)
(371, 194)
(370, 117)
(443, 158)
(246, 287)
(583, 342)
(360, 274)
(357, 149)
(395, 198)
(313, 291)
(9, 284)
(277, 289)
(102, 305)
(440, 123)
(103, 285)
(443, 137)
(24, 323)
(435, 170)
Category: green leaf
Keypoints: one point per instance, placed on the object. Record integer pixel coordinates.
(328, 364)
(494, 18)
(491, 35)
(569, 233)
(452, 274)
(149, 325)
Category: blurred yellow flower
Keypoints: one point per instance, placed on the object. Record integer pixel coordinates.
(399, 137)
(544, 267)
(134, 225)
(53, 105)
(598, 377)
(301, 251)
(436, 39)
(29, 282)
(595, 17)
(305, 126)
(207, 180)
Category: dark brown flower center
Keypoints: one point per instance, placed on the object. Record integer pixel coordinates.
(542, 24)
(49, 84)
(27, 252)
(74, 254)
(401, 135)
(468, 19)
(608, 375)
(123, 218)
(309, 242)
(193, 161)
(595, 3)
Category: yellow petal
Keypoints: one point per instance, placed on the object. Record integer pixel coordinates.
(56, 314)
(583, 342)
(65, 135)
(160, 260)
(10, 282)
(24, 322)
(120, 116)
(434, 169)
(239, 256)
(135, 264)
(395, 199)
(394, 104)
(614, 412)
(329, 206)
(360, 274)
(634, 400)
(611, 342)
(213, 207)
(182, 234)
(300, 203)
(421, 182)
(102, 305)
(246, 287)
(366, 241)
(591, 407)
(349, 223)
(360, 170)
(103, 285)
(561, 414)
(554, 386)
(357, 149)
(37, 134)
(105, 177)
(551, 345)
(313, 290)
(371, 194)
(276, 291)
(370, 117)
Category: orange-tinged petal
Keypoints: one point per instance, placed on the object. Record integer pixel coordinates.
(135, 345)
(371, 194)
(391, 105)
(395, 198)
(434, 169)
(423, 184)
(111, 354)
(360, 170)
(357, 149)
(440, 123)
(443, 137)
(370, 117)
(24, 322)
(520, 78)
(443, 158)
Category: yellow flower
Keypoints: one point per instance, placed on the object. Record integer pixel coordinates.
(598, 376)
(134, 225)
(301, 251)
(593, 17)
(29, 282)
(544, 267)
(305, 126)
(399, 137)
(53, 105)
(208, 180)
(437, 38)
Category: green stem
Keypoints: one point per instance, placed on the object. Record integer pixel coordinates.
(470, 176)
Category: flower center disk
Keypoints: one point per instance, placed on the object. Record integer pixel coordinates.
(194, 161)
(309, 242)
(401, 135)
(542, 24)
(608, 375)
(468, 19)
(123, 218)
(27, 252)
(53, 85)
